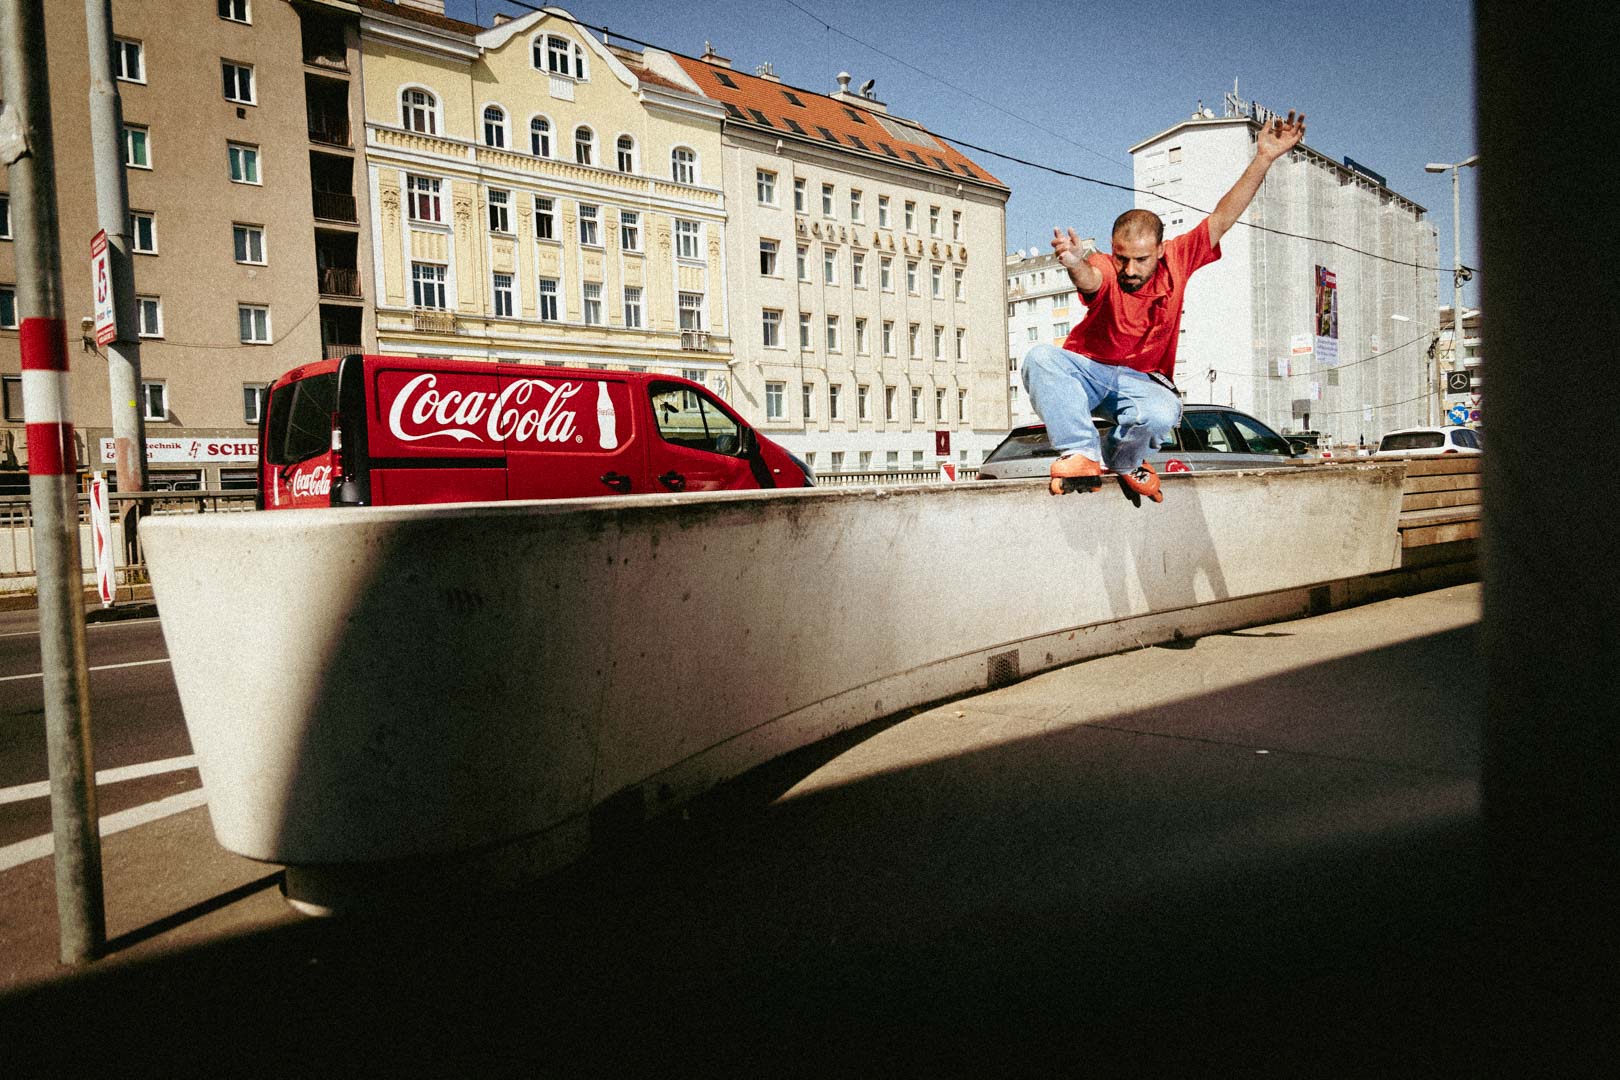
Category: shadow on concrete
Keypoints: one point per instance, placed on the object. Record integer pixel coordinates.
(1086, 899)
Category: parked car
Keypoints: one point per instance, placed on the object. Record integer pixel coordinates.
(392, 430)
(1209, 437)
(1418, 441)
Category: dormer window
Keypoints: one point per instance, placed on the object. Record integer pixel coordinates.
(559, 56)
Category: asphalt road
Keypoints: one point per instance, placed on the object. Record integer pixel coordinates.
(135, 721)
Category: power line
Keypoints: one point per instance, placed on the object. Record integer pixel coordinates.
(1336, 367)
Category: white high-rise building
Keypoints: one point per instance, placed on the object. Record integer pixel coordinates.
(1320, 318)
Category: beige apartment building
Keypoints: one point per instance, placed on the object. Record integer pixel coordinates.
(865, 274)
(244, 221)
(538, 196)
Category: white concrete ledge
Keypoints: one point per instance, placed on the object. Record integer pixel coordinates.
(364, 686)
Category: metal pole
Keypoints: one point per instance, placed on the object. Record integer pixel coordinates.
(26, 148)
(112, 213)
(1456, 274)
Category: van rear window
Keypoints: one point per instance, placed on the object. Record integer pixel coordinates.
(1413, 440)
(300, 423)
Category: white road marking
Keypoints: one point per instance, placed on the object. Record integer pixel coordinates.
(87, 626)
(103, 667)
(40, 847)
(42, 789)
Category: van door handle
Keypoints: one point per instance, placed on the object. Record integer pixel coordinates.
(617, 481)
(673, 480)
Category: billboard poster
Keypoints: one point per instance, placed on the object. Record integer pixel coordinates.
(1327, 318)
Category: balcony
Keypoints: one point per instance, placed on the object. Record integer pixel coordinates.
(330, 129)
(337, 281)
(434, 321)
(335, 206)
(337, 350)
(695, 340)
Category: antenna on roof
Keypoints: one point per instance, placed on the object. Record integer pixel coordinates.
(866, 87)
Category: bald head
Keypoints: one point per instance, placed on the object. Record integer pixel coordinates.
(1139, 223)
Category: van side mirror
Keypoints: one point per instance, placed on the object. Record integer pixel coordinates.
(747, 442)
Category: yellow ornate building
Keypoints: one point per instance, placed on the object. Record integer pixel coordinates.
(542, 197)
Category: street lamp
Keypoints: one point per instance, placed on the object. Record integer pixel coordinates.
(1459, 274)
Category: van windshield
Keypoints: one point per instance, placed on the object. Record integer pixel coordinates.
(300, 424)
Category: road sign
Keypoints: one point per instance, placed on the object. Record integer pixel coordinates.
(947, 472)
(1458, 414)
(101, 530)
(102, 290)
(1457, 382)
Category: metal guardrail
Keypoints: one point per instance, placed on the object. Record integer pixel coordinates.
(17, 532)
(892, 476)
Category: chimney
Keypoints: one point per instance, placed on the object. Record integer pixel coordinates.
(766, 72)
(711, 57)
(501, 19)
(843, 82)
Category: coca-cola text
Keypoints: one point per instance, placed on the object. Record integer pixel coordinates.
(477, 414)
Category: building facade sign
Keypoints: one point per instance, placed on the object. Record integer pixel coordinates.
(189, 451)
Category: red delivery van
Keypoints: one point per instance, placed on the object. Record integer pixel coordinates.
(388, 430)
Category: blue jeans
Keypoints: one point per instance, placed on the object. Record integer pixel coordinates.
(1066, 388)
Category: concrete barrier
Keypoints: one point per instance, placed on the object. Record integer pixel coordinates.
(498, 683)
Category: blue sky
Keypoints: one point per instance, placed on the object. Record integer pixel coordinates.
(1387, 82)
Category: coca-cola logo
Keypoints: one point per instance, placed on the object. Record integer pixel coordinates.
(317, 481)
(422, 411)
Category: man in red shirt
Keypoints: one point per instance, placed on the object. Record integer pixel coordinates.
(1121, 360)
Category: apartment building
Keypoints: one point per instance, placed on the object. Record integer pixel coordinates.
(1321, 315)
(863, 269)
(1042, 307)
(541, 197)
(244, 221)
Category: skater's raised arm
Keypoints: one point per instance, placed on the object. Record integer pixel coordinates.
(1275, 140)
(1072, 254)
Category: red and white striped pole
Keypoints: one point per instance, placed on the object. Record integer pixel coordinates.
(26, 150)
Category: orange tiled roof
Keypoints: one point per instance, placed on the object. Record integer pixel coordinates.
(787, 110)
(443, 22)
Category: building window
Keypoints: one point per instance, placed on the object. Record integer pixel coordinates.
(855, 205)
(961, 289)
(829, 266)
(888, 404)
(857, 269)
(798, 195)
(936, 281)
(956, 224)
(917, 416)
(149, 316)
(154, 401)
(632, 308)
(235, 11)
(765, 187)
(545, 218)
(584, 146)
(244, 161)
(911, 216)
(961, 404)
(883, 211)
(886, 273)
(687, 239)
(254, 322)
(961, 341)
(773, 400)
(911, 276)
(804, 263)
(5, 216)
(767, 257)
(771, 328)
(826, 200)
(804, 331)
(592, 293)
(137, 147)
(835, 402)
(588, 233)
(548, 299)
(427, 286)
(860, 336)
(939, 342)
(863, 404)
(933, 221)
(420, 112)
(238, 79)
(630, 230)
(253, 402)
(503, 296)
(540, 136)
(626, 150)
(691, 308)
(11, 390)
(1060, 329)
(866, 460)
(939, 405)
(683, 165)
(495, 126)
(1034, 333)
(832, 334)
(837, 457)
(143, 233)
(8, 307)
(129, 60)
(500, 220)
(248, 243)
(559, 56)
(888, 337)
(914, 340)
(422, 198)
(807, 401)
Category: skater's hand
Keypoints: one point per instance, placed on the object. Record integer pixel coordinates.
(1280, 136)
(1073, 252)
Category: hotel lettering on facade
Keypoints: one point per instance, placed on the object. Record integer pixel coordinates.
(523, 192)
